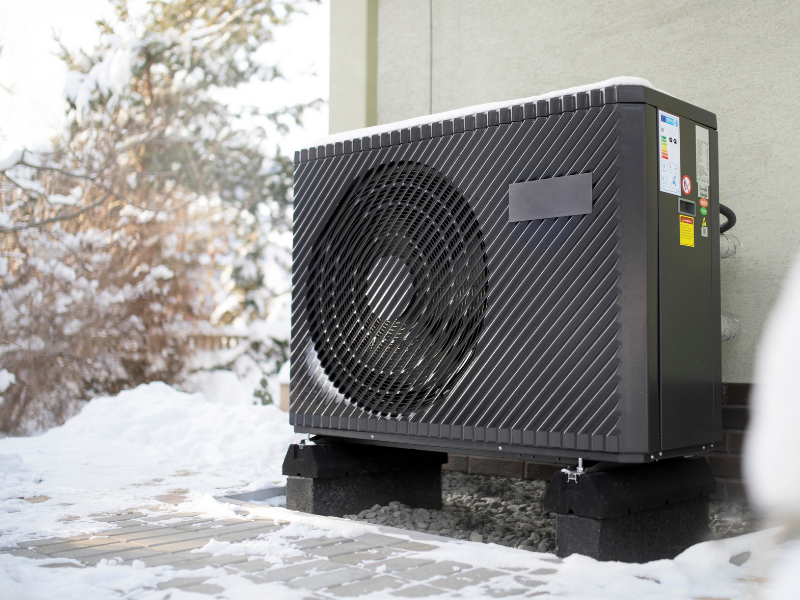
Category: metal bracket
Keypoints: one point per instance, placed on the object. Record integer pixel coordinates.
(573, 475)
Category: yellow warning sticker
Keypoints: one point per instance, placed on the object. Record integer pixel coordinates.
(687, 231)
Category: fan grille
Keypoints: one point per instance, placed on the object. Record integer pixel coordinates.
(398, 289)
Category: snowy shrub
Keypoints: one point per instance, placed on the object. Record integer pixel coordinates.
(164, 210)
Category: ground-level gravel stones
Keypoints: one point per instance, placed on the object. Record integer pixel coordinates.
(508, 511)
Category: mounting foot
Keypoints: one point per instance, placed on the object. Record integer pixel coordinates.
(632, 513)
(336, 478)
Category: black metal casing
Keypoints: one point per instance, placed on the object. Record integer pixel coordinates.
(423, 317)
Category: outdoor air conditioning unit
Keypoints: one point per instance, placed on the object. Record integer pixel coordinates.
(535, 280)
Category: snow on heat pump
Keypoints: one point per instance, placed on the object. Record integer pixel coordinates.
(536, 279)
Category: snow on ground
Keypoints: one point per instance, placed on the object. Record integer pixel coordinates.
(124, 451)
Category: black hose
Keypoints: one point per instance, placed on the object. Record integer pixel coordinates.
(728, 214)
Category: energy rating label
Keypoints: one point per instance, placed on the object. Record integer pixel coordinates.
(669, 134)
(687, 231)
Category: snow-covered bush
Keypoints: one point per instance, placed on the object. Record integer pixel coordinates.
(164, 207)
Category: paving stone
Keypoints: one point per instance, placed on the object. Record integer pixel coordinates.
(205, 588)
(175, 497)
(148, 534)
(400, 563)
(444, 567)
(205, 524)
(367, 586)
(238, 536)
(37, 499)
(80, 553)
(122, 517)
(495, 593)
(209, 561)
(124, 555)
(339, 549)
(418, 591)
(165, 516)
(376, 540)
(287, 573)
(65, 565)
(134, 529)
(531, 583)
(51, 541)
(252, 566)
(157, 560)
(465, 578)
(415, 546)
(174, 536)
(75, 544)
(24, 552)
(325, 580)
(184, 546)
(243, 526)
(181, 582)
(370, 555)
(319, 542)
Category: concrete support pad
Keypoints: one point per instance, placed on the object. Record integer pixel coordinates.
(338, 496)
(650, 534)
(340, 478)
(635, 513)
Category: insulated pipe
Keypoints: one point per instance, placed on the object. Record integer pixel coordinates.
(729, 245)
(728, 214)
(730, 328)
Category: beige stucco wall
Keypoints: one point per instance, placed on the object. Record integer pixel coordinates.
(353, 67)
(736, 58)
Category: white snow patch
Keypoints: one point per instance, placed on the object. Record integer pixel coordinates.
(11, 159)
(471, 110)
(273, 547)
(284, 375)
(26, 184)
(61, 200)
(219, 387)
(6, 379)
(161, 272)
(121, 452)
(22, 579)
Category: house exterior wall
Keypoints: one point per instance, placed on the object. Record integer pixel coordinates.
(353, 80)
(733, 57)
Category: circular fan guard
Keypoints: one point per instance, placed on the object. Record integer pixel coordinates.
(398, 289)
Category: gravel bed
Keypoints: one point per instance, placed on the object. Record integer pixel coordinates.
(481, 508)
(508, 511)
(729, 519)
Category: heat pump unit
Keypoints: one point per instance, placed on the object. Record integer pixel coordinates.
(533, 279)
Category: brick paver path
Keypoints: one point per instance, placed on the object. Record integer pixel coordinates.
(388, 564)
